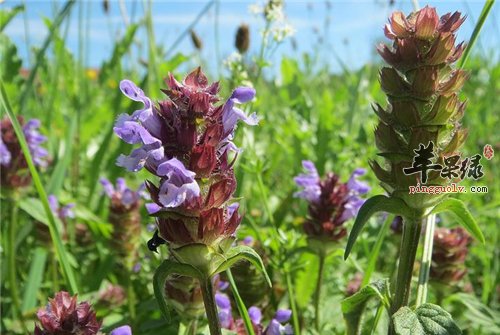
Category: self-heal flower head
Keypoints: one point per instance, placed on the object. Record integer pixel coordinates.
(448, 255)
(64, 316)
(331, 202)
(125, 217)
(14, 171)
(185, 141)
(122, 197)
(423, 106)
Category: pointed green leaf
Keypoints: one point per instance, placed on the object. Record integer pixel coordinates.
(34, 279)
(239, 253)
(378, 203)
(166, 268)
(353, 306)
(7, 15)
(462, 214)
(428, 319)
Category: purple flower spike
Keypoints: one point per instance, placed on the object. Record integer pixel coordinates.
(309, 181)
(123, 330)
(283, 315)
(255, 314)
(231, 114)
(135, 93)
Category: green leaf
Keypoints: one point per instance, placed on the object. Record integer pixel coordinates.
(35, 278)
(428, 319)
(166, 268)
(378, 203)
(7, 15)
(11, 63)
(462, 214)
(239, 253)
(353, 306)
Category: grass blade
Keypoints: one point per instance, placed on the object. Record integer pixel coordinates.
(35, 278)
(61, 253)
(477, 29)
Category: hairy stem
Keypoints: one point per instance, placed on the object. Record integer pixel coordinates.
(317, 293)
(207, 290)
(293, 305)
(408, 251)
(425, 266)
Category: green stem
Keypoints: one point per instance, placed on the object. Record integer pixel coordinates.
(241, 305)
(207, 291)
(477, 29)
(192, 327)
(380, 311)
(16, 304)
(408, 251)
(131, 298)
(293, 305)
(317, 294)
(425, 265)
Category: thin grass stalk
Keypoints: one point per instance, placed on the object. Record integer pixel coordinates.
(376, 250)
(241, 305)
(61, 253)
(475, 33)
(425, 266)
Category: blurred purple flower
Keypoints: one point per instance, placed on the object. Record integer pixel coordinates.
(34, 140)
(5, 155)
(123, 330)
(255, 314)
(331, 202)
(62, 212)
(121, 195)
(309, 181)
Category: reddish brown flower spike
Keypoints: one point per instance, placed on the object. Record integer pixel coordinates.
(63, 316)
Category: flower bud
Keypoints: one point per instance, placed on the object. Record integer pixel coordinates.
(448, 255)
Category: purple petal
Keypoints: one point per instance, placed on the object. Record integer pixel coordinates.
(5, 155)
(222, 301)
(355, 185)
(351, 208)
(274, 328)
(243, 94)
(129, 197)
(67, 212)
(123, 330)
(53, 203)
(248, 240)
(121, 186)
(232, 208)
(131, 131)
(225, 318)
(135, 93)
(175, 167)
(138, 157)
(222, 285)
(108, 187)
(309, 181)
(283, 315)
(172, 195)
(255, 315)
(152, 208)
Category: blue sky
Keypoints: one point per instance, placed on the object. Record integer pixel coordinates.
(354, 27)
